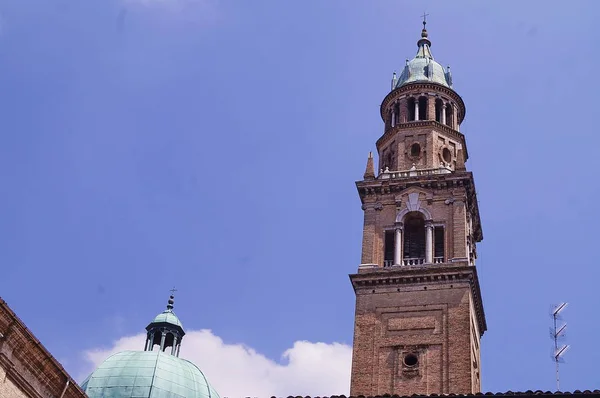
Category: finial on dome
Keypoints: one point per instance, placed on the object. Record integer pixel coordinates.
(171, 299)
(424, 34)
(424, 31)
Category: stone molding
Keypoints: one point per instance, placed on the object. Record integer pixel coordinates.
(398, 275)
(391, 132)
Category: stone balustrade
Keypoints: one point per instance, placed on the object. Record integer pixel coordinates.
(413, 172)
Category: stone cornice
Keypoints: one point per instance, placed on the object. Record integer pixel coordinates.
(391, 132)
(28, 363)
(437, 181)
(438, 273)
(413, 87)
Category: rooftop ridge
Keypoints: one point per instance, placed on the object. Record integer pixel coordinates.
(496, 394)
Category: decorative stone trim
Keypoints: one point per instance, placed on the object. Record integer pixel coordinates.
(372, 206)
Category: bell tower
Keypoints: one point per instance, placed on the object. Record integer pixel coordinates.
(419, 312)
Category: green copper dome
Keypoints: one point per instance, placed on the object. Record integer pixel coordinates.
(152, 373)
(147, 374)
(168, 316)
(422, 68)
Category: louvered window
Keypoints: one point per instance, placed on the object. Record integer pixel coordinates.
(388, 256)
(414, 237)
(438, 243)
(410, 104)
(422, 108)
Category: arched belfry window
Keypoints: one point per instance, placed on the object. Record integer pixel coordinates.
(169, 341)
(414, 238)
(396, 110)
(439, 105)
(450, 115)
(422, 108)
(154, 338)
(410, 105)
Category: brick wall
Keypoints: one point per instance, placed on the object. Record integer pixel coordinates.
(427, 316)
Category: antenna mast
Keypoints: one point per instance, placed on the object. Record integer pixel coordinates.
(558, 333)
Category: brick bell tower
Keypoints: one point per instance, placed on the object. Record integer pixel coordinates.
(419, 312)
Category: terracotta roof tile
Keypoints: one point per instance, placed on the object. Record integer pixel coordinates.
(590, 393)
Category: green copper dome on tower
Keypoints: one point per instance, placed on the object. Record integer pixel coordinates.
(151, 373)
(423, 68)
(168, 316)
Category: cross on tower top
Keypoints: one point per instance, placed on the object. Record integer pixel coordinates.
(424, 19)
(173, 291)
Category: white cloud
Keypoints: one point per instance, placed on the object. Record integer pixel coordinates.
(236, 371)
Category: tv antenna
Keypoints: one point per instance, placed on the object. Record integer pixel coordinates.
(558, 333)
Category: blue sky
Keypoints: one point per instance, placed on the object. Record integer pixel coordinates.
(214, 145)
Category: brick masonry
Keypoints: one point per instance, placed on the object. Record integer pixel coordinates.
(430, 314)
